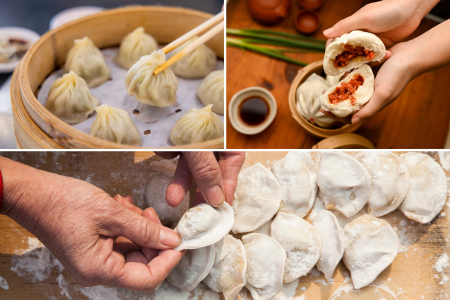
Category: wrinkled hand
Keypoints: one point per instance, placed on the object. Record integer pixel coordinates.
(91, 234)
(215, 174)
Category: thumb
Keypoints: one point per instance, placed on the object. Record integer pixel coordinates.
(374, 106)
(356, 21)
(207, 175)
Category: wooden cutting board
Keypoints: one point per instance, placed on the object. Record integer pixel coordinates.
(422, 108)
(411, 274)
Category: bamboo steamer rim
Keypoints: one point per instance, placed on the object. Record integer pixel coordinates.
(81, 139)
(302, 75)
(345, 141)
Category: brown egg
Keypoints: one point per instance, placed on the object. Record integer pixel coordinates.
(269, 12)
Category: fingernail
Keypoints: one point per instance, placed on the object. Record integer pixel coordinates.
(215, 195)
(169, 238)
(356, 120)
(329, 31)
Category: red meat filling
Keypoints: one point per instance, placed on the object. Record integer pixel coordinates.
(346, 89)
(352, 52)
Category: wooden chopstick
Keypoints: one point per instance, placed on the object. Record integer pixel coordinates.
(201, 40)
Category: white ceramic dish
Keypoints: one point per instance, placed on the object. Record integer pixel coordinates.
(233, 107)
(17, 33)
(73, 14)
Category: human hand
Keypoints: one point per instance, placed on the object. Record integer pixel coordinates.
(89, 232)
(390, 20)
(215, 174)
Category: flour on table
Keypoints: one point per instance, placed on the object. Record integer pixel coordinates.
(3, 283)
(444, 157)
(64, 286)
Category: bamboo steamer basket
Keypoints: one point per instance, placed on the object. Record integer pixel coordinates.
(345, 141)
(37, 128)
(302, 75)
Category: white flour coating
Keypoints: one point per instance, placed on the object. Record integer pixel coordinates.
(427, 189)
(257, 198)
(204, 225)
(444, 157)
(3, 283)
(193, 267)
(265, 265)
(264, 229)
(371, 245)
(33, 243)
(288, 292)
(344, 183)
(442, 263)
(406, 232)
(377, 290)
(228, 272)
(64, 286)
(390, 181)
(333, 242)
(300, 240)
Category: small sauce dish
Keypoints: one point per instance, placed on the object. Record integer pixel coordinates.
(252, 110)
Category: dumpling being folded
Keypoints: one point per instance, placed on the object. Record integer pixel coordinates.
(87, 61)
(115, 125)
(198, 125)
(70, 100)
(196, 64)
(211, 91)
(135, 45)
(156, 90)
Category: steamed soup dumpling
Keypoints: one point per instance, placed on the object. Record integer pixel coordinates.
(115, 125)
(156, 90)
(204, 225)
(211, 91)
(87, 61)
(70, 100)
(196, 64)
(198, 125)
(135, 45)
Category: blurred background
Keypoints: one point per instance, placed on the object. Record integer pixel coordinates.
(39, 15)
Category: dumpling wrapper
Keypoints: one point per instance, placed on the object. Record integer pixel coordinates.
(211, 91)
(390, 181)
(257, 198)
(193, 267)
(87, 61)
(333, 242)
(300, 240)
(265, 265)
(427, 188)
(264, 229)
(228, 272)
(344, 183)
(371, 245)
(298, 190)
(204, 225)
(133, 46)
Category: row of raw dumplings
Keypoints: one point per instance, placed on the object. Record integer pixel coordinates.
(280, 249)
(70, 99)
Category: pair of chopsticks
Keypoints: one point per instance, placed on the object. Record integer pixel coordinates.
(200, 41)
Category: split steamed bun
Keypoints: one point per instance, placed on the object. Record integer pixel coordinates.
(198, 125)
(346, 102)
(356, 38)
(70, 100)
(135, 45)
(211, 91)
(87, 61)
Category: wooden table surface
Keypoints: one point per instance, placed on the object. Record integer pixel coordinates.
(419, 119)
(127, 173)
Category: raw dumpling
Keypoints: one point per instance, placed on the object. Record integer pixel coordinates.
(308, 104)
(198, 125)
(204, 225)
(196, 64)
(155, 196)
(156, 90)
(265, 265)
(193, 267)
(135, 45)
(257, 198)
(333, 242)
(427, 188)
(211, 91)
(115, 125)
(87, 61)
(371, 245)
(264, 229)
(390, 181)
(228, 272)
(300, 240)
(70, 100)
(298, 190)
(344, 183)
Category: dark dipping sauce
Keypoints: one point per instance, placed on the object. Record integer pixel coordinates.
(254, 110)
